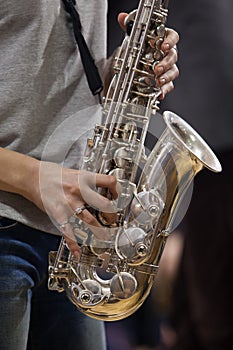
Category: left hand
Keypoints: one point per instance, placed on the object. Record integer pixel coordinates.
(166, 71)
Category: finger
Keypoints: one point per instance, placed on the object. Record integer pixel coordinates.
(90, 222)
(88, 218)
(171, 39)
(97, 201)
(166, 88)
(108, 181)
(108, 218)
(167, 77)
(93, 180)
(73, 246)
(70, 240)
(100, 232)
(167, 62)
(121, 19)
(87, 182)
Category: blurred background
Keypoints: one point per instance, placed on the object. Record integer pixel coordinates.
(191, 303)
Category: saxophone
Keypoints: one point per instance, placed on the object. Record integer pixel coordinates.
(113, 276)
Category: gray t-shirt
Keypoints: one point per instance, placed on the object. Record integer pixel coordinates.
(43, 88)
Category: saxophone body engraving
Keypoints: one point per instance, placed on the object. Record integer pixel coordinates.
(114, 276)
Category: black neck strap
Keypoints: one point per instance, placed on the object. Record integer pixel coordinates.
(91, 71)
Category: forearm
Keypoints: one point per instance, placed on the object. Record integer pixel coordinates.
(18, 173)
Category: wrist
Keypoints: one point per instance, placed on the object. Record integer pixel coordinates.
(19, 173)
(28, 181)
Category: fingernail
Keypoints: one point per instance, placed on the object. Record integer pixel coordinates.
(161, 97)
(162, 81)
(166, 47)
(77, 254)
(159, 70)
(164, 92)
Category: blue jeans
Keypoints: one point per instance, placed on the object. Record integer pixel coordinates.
(31, 316)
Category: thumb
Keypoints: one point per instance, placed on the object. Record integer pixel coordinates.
(121, 19)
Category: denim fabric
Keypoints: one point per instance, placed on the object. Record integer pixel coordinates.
(31, 316)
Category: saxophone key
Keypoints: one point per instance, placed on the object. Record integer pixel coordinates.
(123, 285)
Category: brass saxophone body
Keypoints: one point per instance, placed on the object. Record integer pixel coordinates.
(114, 276)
